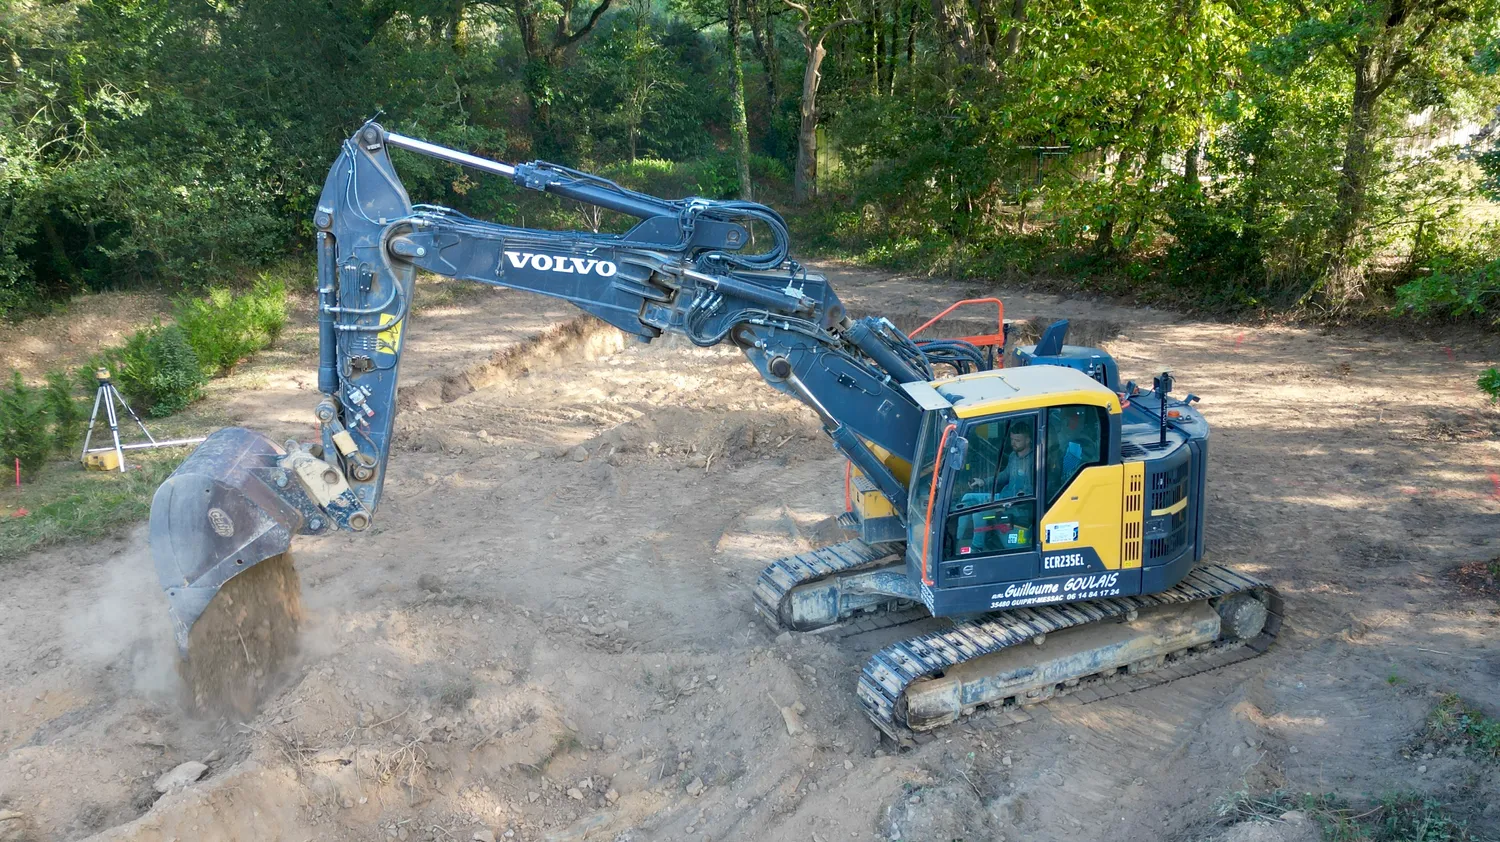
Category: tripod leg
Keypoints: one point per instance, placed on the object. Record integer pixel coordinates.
(114, 428)
(121, 398)
(93, 416)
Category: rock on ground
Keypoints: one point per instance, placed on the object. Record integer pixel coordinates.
(180, 776)
(1293, 826)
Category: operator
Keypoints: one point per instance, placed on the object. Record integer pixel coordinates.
(1016, 479)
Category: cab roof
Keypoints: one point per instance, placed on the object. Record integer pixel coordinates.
(1026, 387)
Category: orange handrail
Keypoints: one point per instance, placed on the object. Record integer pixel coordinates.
(996, 338)
(937, 468)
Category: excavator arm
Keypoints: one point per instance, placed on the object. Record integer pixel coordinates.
(688, 267)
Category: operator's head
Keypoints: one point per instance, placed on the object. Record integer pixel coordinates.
(1020, 437)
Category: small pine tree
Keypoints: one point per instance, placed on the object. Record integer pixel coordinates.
(67, 416)
(158, 370)
(25, 433)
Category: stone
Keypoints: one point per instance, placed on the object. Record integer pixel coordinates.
(792, 720)
(848, 764)
(531, 797)
(611, 796)
(579, 454)
(696, 788)
(15, 827)
(575, 793)
(180, 776)
(483, 834)
(1005, 761)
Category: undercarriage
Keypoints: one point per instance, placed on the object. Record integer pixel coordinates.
(1009, 661)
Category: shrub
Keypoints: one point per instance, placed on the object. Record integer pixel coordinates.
(24, 431)
(67, 415)
(159, 371)
(224, 328)
(1489, 383)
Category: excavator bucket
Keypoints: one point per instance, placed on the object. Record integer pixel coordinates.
(225, 509)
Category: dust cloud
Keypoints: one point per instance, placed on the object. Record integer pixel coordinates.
(120, 624)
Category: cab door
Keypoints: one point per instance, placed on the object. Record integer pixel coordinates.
(989, 519)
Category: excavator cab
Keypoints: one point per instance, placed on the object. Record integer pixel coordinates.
(1030, 487)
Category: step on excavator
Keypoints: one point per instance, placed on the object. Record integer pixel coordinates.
(1043, 520)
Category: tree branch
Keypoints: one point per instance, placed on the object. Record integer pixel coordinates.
(594, 16)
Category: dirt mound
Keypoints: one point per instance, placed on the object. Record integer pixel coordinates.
(703, 438)
(582, 338)
(238, 648)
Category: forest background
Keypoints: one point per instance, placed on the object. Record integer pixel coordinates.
(1322, 156)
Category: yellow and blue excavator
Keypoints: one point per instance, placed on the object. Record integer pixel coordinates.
(1047, 517)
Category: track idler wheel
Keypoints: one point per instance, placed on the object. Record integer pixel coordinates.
(1241, 617)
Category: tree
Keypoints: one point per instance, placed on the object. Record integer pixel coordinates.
(547, 32)
(805, 179)
(738, 123)
(1381, 45)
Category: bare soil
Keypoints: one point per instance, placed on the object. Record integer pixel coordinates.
(548, 631)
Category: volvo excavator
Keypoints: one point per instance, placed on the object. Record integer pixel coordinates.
(1044, 519)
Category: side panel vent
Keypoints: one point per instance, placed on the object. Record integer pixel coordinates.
(1135, 499)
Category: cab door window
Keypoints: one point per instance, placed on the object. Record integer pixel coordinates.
(1075, 440)
(993, 505)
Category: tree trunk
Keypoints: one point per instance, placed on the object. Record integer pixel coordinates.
(1343, 279)
(805, 182)
(762, 29)
(739, 125)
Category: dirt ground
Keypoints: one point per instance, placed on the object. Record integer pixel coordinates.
(548, 633)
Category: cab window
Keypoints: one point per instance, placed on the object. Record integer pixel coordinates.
(1075, 440)
(921, 482)
(993, 505)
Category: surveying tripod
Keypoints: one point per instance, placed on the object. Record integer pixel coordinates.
(107, 396)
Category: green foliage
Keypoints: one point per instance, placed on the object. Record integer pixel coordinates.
(1461, 275)
(224, 328)
(1395, 817)
(184, 143)
(67, 504)
(65, 411)
(1489, 383)
(158, 371)
(1454, 722)
(25, 428)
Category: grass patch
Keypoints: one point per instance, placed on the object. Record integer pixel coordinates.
(66, 503)
(1398, 817)
(1456, 724)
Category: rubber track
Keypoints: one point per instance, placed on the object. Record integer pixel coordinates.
(784, 574)
(889, 672)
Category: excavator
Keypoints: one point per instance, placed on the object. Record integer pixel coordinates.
(1048, 519)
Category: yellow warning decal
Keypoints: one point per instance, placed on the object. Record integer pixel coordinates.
(389, 340)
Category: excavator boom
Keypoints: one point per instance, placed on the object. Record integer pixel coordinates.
(683, 268)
